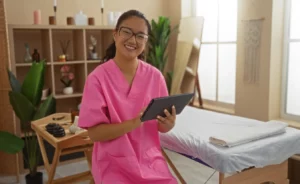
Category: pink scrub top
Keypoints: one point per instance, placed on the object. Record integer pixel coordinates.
(134, 158)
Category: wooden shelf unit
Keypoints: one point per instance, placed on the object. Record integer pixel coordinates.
(47, 40)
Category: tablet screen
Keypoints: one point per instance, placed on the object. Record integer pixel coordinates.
(158, 105)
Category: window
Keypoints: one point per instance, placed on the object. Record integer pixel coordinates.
(217, 65)
(291, 77)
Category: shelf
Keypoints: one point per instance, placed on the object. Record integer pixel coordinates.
(36, 39)
(34, 27)
(72, 40)
(47, 39)
(68, 62)
(94, 61)
(63, 96)
(26, 64)
(78, 83)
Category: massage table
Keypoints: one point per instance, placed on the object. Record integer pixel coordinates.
(255, 162)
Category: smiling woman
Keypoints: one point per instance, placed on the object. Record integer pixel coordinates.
(115, 95)
(127, 33)
(132, 28)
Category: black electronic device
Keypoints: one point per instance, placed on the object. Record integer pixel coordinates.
(157, 106)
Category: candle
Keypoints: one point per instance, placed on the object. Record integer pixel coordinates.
(55, 3)
(102, 3)
(37, 17)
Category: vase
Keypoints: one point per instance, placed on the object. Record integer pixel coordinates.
(68, 90)
(27, 56)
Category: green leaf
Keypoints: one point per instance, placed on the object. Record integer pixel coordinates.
(152, 58)
(169, 78)
(14, 83)
(23, 108)
(9, 143)
(165, 60)
(34, 82)
(158, 42)
(46, 108)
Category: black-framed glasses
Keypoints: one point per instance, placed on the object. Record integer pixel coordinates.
(127, 33)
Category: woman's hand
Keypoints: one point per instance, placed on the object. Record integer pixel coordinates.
(167, 123)
(136, 122)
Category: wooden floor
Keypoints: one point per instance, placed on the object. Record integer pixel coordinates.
(193, 172)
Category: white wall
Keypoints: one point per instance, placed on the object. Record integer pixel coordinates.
(186, 6)
(262, 101)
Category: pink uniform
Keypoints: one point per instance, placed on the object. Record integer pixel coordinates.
(134, 158)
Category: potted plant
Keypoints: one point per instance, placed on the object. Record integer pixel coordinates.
(158, 44)
(25, 99)
(67, 78)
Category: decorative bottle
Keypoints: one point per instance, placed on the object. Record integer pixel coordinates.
(27, 56)
(81, 19)
(36, 56)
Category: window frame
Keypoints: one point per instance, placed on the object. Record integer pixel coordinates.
(217, 43)
(285, 63)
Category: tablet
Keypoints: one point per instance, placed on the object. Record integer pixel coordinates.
(158, 105)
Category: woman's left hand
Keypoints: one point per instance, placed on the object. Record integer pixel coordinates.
(168, 122)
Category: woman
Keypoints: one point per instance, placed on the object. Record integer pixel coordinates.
(126, 150)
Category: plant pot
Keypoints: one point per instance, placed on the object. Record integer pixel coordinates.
(37, 179)
(68, 90)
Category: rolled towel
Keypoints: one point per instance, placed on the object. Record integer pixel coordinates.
(74, 127)
(244, 134)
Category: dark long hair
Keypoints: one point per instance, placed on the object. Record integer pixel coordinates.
(111, 50)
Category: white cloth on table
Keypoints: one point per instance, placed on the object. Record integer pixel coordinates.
(233, 135)
(194, 126)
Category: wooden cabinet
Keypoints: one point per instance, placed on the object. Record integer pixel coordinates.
(50, 42)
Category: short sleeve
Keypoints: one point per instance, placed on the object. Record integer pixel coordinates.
(93, 108)
(163, 89)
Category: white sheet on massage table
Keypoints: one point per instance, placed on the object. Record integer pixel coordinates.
(191, 135)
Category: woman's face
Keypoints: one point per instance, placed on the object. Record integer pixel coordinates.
(131, 38)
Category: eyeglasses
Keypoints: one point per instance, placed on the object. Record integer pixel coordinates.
(127, 33)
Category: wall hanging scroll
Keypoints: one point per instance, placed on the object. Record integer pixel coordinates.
(252, 41)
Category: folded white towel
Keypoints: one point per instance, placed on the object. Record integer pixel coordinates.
(236, 135)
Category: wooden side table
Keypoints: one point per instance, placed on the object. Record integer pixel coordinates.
(70, 143)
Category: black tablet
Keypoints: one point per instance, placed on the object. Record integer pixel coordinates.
(158, 105)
